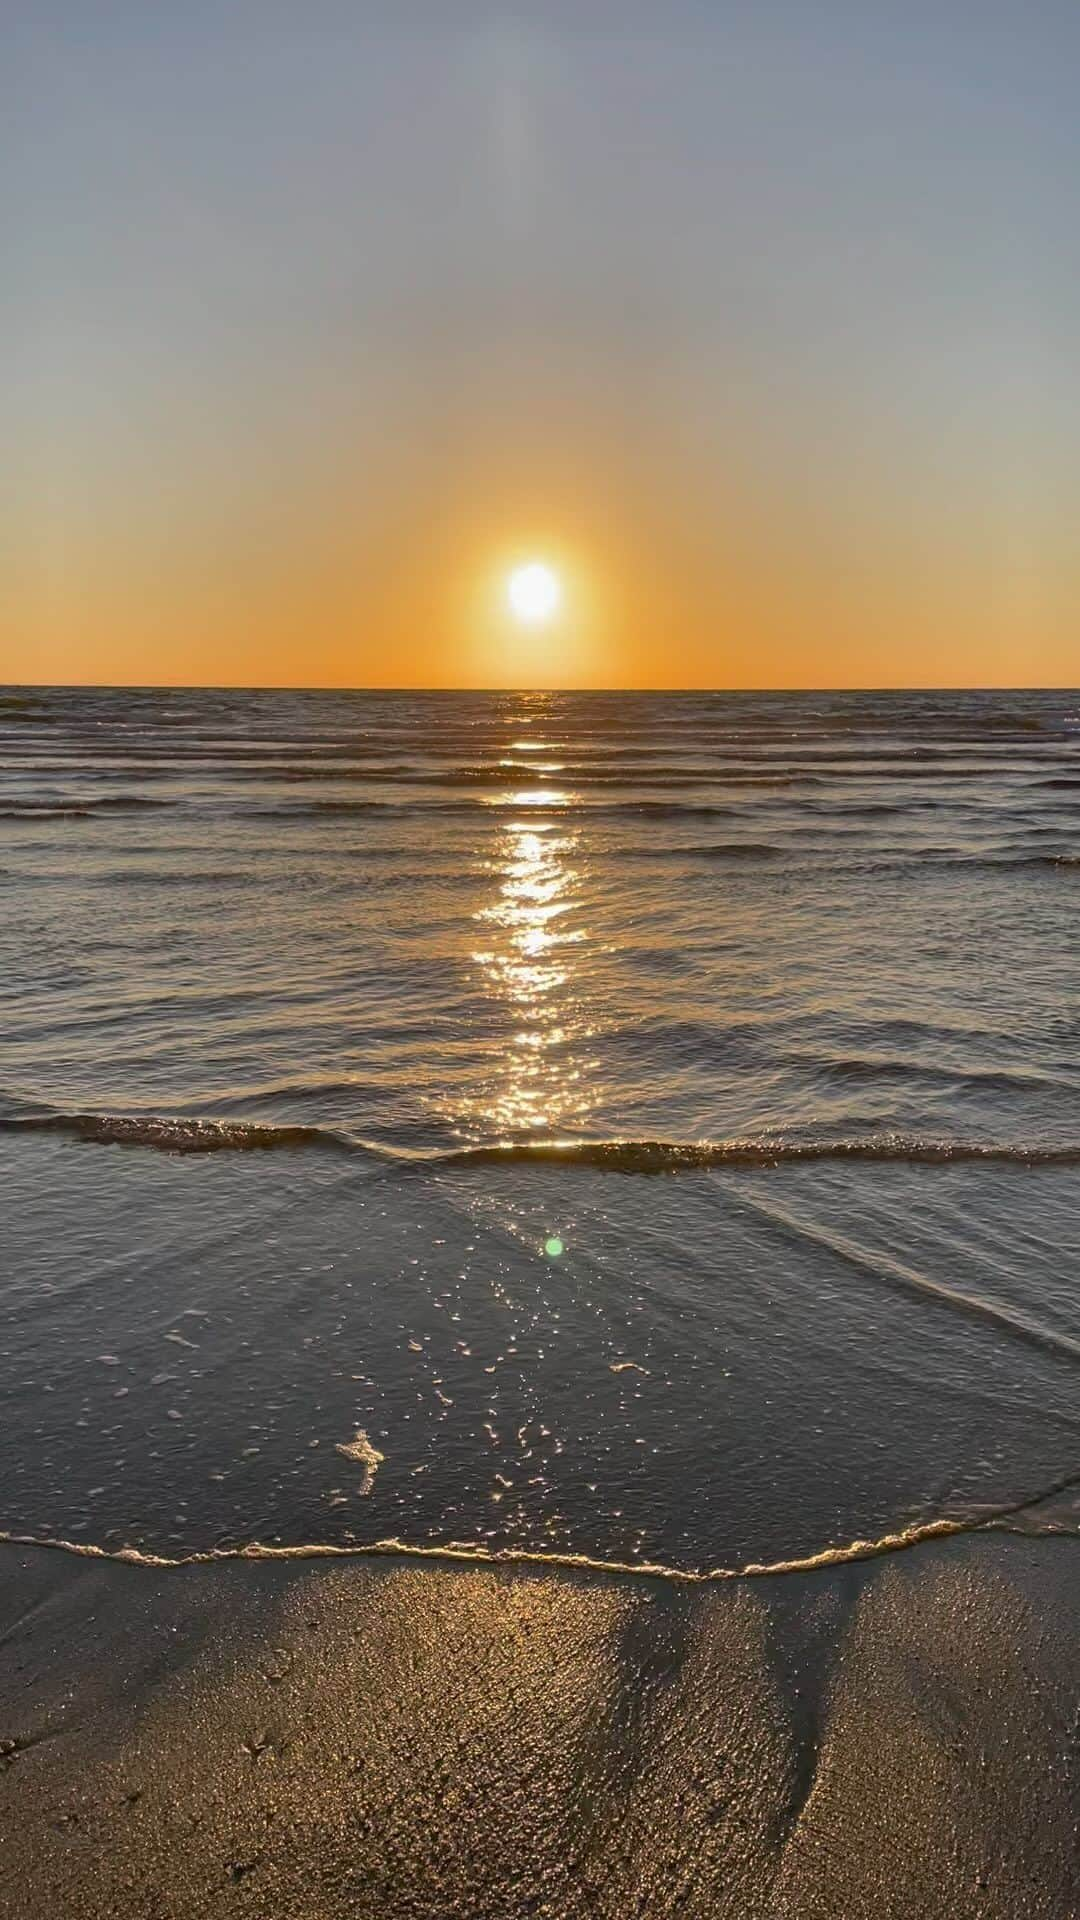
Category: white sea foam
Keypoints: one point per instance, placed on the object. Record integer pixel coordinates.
(360, 1449)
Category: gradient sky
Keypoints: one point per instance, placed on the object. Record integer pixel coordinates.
(759, 319)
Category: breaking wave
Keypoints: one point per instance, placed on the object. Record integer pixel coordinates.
(185, 1135)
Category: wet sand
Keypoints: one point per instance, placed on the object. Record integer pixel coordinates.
(389, 1738)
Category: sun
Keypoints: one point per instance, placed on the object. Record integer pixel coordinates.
(534, 593)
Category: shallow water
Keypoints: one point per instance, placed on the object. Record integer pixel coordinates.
(793, 982)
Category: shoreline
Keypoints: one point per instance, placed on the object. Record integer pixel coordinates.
(474, 1554)
(399, 1736)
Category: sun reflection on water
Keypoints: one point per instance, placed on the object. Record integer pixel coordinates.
(533, 966)
(541, 797)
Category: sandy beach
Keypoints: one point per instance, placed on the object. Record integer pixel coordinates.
(385, 1738)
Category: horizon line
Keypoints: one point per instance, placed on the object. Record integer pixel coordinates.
(243, 686)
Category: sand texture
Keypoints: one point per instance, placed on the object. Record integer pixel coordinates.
(391, 1739)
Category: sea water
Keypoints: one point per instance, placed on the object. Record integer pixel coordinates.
(632, 1126)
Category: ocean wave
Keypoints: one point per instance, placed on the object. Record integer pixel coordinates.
(1019, 858)
(668, 763)
(676, 1156)
(716, 850)
(876, 1066)
(188, 1135)
(172, 1135)
(43, 812)
(312, 809)
(834, 854)
(80, 806)
(738, 850)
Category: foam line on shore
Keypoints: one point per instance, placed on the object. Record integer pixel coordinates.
(470, 1554)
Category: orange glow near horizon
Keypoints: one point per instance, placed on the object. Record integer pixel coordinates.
(676, 567)
(648, 598)
(630, 618)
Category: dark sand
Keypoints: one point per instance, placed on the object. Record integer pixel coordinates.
(382, 1738)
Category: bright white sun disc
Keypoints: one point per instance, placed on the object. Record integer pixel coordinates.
(533, 592)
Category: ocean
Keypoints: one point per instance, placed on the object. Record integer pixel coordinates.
(635, 1128)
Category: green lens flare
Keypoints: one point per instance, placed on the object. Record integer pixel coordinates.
(554, 1246)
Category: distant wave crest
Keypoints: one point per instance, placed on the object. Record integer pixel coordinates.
(79, 806)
